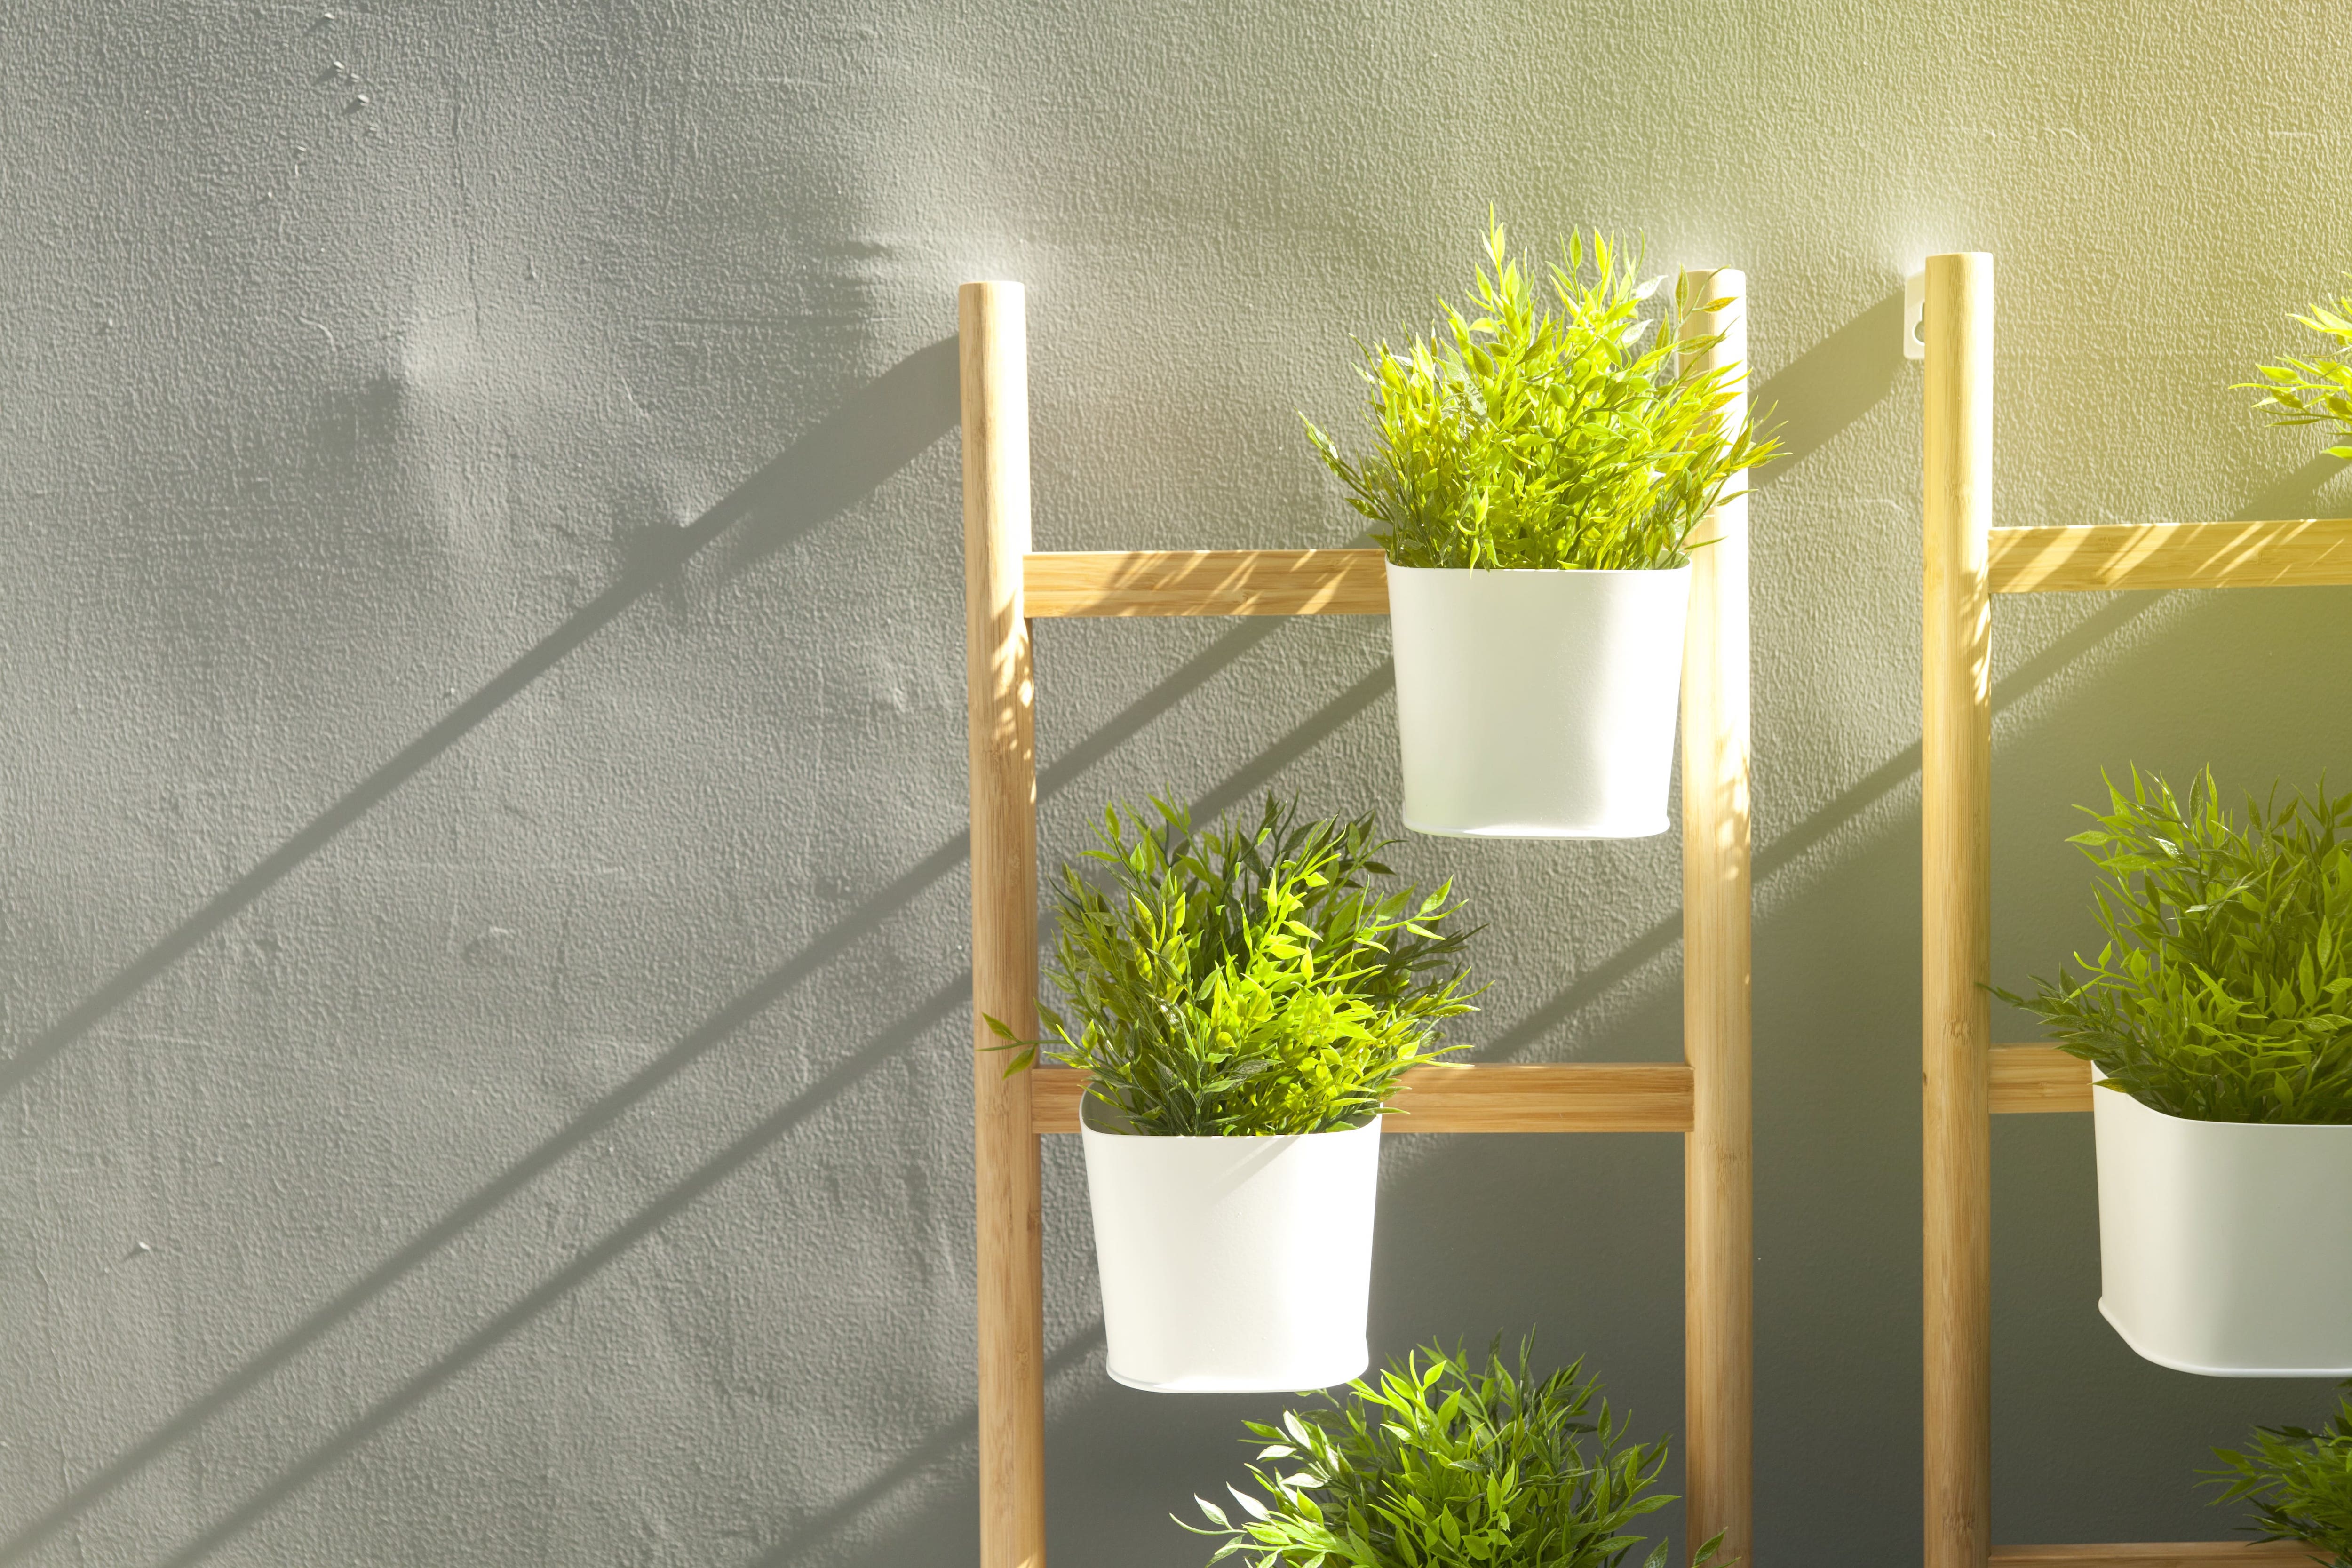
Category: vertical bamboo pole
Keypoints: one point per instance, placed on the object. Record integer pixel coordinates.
(1000, 688)
(1719, 1165)
(1956, 872)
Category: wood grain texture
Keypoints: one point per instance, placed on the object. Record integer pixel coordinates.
(2161, 1554)
(1718, 1154)
(2038, 1077)
(2310, 550)
(1477, 1097)
(1591, 1097)
(1956, 740)
(1207, 583)
(999, 686)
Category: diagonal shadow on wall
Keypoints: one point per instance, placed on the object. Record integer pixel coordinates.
(943, 1004)
(1830, 385)
(844, 457)
(940, 1007)
(945, 1444)
(601, 1115)
(913, 402)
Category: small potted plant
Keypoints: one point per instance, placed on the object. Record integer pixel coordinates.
(1244, 1000)
(2300, 1483)
(1538, 477)
(1441, 1461)
(2218, 1018)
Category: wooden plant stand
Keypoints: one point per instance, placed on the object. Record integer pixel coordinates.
(1966, 1077)
(1704, 1097)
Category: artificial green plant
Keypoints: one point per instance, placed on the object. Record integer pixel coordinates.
(2224, 990)
(2313, 390)
(1245, 981)
(1543, 434)
(2300, 1482)
(1443, 1462)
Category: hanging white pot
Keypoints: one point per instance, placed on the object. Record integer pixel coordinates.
(1233, 1265)
(2225, 1248)
(1537, 704)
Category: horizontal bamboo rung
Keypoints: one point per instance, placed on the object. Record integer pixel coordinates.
(1476, 1097)
(2039, 1078)
(2308, 550)
(2161, 1554)
(1206, 582)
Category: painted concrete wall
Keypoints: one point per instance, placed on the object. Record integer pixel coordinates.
(482, 884)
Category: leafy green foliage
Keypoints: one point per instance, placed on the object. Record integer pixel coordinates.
(2312, 391)
(1517, 437)
(1251, 981)
(2299, 1481)
(2223, 991)
(1443, 1462)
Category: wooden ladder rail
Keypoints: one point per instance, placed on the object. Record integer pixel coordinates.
(1706, 1096)
(1001, 686)
(1955, 880)
(1965, 1079)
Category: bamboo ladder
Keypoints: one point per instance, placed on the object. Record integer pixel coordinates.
(1704, 1097)
(1965, 1079)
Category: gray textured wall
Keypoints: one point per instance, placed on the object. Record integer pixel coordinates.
(482, 884)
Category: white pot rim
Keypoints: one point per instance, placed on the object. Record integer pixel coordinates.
(2098, 1078)
(1087, 1124)
(1548, 570)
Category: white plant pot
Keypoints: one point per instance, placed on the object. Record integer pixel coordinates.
(2225, 1248)
(1233, 1265)
(1537, 704)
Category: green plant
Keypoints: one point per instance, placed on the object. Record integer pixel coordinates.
(2223, 991)
(1251, 981)
(1443, 1462)
(1513, 438)
(2312, 391)
(2300, 1482)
